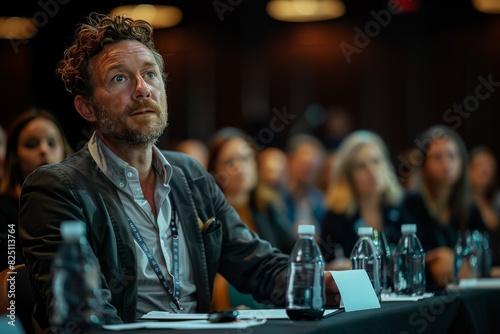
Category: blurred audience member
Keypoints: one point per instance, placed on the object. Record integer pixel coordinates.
(3, 147)
(363, 191)
(35, 138)
(303, 198)
(482, 173)
(272, 164)
(441, 203)
(194, 148)
(232, 161)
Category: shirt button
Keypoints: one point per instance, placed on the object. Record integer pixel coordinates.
(129, 174)
(122, 184)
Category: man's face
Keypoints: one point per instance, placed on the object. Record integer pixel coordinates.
(129, 99)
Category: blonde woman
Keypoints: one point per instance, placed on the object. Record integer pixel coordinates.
(364, 191)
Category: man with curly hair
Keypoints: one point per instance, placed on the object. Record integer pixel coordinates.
(138, 202)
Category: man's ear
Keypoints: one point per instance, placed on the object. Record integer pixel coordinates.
(84, 108)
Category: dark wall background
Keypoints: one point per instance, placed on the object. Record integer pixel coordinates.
(247, 68)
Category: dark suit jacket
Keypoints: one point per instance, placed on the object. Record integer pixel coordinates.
(77, 190)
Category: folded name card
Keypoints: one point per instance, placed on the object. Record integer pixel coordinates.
(356, 290)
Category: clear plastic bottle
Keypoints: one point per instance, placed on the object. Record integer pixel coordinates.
(365, 256)
(386, 262)
(305, 298)
(409, 263)
(76, 283)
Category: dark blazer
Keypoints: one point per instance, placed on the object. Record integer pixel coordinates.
(76, 189)
(272, 224)
(430, 233)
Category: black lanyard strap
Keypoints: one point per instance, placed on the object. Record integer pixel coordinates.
(176, 294)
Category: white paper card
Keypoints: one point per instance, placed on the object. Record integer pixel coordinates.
(356, 290)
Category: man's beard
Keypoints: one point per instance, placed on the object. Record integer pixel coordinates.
(115, 127)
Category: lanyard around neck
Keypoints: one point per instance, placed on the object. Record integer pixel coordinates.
(176, 294)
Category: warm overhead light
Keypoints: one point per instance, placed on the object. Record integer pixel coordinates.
(158, 16)
(487, 6)
(17, 28)
(305, 10)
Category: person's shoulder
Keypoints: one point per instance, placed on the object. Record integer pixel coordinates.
(76, 166)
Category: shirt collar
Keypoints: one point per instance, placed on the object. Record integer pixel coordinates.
(117, 170)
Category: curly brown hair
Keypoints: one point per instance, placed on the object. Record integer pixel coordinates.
(91, 38)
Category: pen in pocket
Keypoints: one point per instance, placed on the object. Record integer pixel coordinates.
(209, 225)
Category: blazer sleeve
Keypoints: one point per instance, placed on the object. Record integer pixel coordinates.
(249, 263)
(48, 198)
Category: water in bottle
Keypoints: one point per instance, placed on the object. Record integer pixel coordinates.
(365, 256)
(305, 298)
(409, 263)
(386, 262)
(76, 283)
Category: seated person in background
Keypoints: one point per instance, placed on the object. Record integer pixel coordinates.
(303, 198)
(440, 202)
(364, 191)
(482, 173)
(120, 178)
(233, 164)
(35, 139)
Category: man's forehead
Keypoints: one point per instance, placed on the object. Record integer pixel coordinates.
(121, 54)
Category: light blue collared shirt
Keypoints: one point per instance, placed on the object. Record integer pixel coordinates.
(155, 231)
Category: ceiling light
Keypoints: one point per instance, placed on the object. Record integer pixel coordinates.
(305, 10)
(487, 6)
(158, 16)
(17, 28)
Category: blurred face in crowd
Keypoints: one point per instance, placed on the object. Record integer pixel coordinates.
(305, 163)
(369, 172)
(444, 163)
(272, 167)
(40, 143)
(129, 102)
(236, 167)
(482, 170)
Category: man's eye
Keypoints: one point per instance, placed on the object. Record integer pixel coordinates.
(151, 75)
(119, 78)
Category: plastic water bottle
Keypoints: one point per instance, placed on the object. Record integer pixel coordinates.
(409, 263)
(305, 298)
(76, 283)
(365, 256)
(386, 262)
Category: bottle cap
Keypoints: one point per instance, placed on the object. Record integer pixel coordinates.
(408, 228)
(365, 231)
(73, 229)
(307, 229)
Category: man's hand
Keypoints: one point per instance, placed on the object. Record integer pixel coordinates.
(331, 290)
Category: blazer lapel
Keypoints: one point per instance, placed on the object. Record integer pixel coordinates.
(185, 207)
